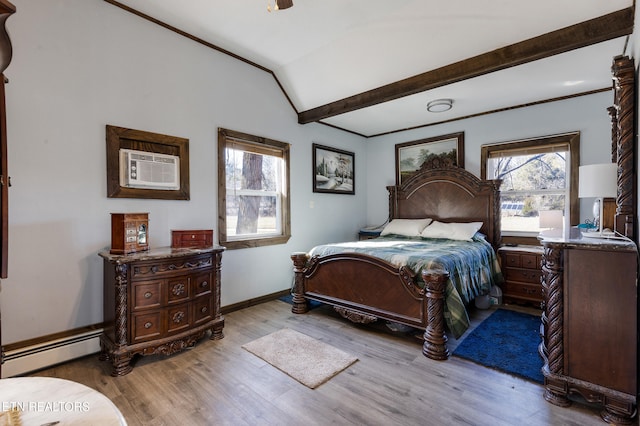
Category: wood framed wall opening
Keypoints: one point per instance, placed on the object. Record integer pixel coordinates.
(119, 138)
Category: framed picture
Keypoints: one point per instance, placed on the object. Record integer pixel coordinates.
(142, 164)
(410, 156)
(333, 170)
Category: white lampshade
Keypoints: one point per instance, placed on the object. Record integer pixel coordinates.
(598, 181)
(551, 219)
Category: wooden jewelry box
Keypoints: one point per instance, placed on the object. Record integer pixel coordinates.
(200, 238)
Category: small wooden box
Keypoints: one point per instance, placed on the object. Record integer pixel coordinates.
(199, 238)
(129, 232)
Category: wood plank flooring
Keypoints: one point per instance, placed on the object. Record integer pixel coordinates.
(392, 383)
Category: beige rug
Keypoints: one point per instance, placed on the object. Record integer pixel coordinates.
(309, 361)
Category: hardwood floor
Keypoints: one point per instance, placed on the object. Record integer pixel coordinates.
(392, 383)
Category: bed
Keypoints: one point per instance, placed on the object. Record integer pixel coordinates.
(364, 287)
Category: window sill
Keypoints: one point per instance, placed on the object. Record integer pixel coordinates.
(254, 242)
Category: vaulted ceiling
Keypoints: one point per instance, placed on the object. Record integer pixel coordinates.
(371, 66)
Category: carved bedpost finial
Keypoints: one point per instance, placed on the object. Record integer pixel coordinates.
(392, 205)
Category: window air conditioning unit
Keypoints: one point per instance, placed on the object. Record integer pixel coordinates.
(149, 170)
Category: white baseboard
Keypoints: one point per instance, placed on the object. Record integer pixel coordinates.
(43, 355)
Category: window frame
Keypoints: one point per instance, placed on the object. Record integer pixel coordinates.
(572, 140)
(262, 145)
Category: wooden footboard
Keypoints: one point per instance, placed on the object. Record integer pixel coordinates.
(374, 287)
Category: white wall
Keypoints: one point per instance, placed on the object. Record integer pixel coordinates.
(79, 65)
(587, 114)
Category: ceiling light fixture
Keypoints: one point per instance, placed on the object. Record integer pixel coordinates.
(279, 5)
(440, 105)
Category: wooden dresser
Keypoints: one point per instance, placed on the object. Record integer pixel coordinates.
(159, 301)
(589, 324)
(521, 269)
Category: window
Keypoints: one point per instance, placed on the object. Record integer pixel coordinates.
(253, 197)
(537, 174)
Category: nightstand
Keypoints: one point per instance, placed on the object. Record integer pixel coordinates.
(522, 271)
(364, 234)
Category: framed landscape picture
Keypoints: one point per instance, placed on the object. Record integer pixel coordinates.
(411, 155)
(333, 170)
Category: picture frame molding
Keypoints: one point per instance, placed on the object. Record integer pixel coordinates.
(459, 146)
(318, 147)
(122, 138)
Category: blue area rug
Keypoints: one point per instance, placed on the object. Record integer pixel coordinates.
(506, 341)
(312, 303)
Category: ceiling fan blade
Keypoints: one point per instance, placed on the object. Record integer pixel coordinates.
(284, 4)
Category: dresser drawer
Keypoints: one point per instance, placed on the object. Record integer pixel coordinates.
(147, 294)
(522, 290)
(178, 318)
(202, 309)
(146, 326)
(523, 275)
(178, 289)
(202, 283)
(172, 267)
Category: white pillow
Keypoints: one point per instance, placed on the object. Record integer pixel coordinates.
(405, 227)
(453, 231)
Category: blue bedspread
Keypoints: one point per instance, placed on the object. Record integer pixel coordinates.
(472, 265)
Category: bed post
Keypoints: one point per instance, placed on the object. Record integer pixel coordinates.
(435, 339)
(393, 192)
(300, 305)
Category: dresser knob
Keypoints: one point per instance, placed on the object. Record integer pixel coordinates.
(148, 295)
(154, 269)
(204, 284)
(147, 325)
(204, 309)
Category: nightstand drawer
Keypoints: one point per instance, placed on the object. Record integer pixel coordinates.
(523, 275)
(522, 290)
(522, 260)
(522, 272)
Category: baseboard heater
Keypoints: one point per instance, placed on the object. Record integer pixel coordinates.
(46, 354)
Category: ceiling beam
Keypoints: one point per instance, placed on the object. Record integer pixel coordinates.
(603, 28)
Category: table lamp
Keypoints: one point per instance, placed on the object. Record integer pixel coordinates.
(598, 181)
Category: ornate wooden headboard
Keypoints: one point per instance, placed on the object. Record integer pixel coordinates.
(449, 194)
(623, 144)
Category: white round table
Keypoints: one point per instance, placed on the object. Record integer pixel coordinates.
(47, 400)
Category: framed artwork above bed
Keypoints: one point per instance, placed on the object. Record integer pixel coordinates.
(410, 156)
